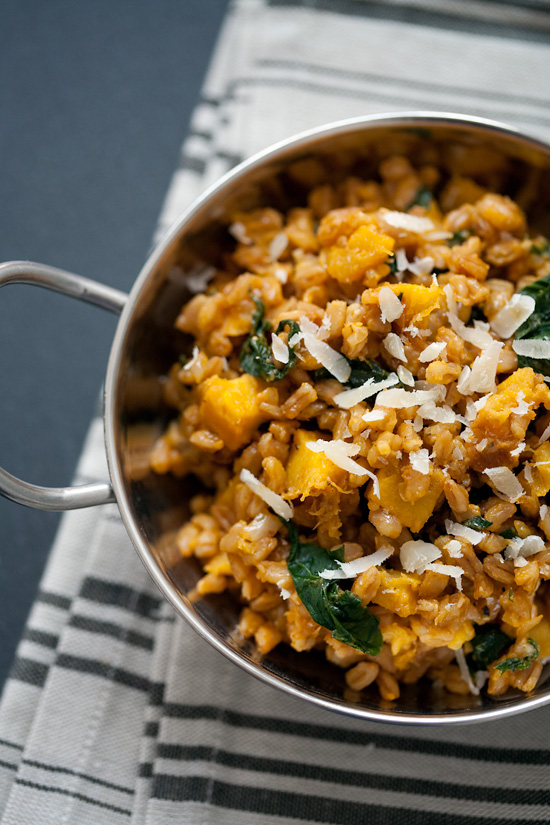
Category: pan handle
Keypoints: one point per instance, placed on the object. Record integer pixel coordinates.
(59, 498)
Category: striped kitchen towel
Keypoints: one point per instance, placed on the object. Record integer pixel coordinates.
(115, 711)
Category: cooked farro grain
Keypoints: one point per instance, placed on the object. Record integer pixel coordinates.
(419, 537)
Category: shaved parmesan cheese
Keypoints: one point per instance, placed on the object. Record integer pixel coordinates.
(543, 511)
(394, 345)
(283, 508)
(473, 407)
(280, 349)
(351, 569)
(512, 315)
(441, 415)
(405, 376)
(520, 562)
(465, 671)
(422, 266)
(420, 461)
(454, 549)
(281, 274)
(340, 453)
(278, 246)
(524, 547)
(331, 360)
(401, 399)
(417, 423)
(401, 260)
(432, 351)
(416, 555)
(475, 335)
(505, 482)
(519, 449)
(480, 446)
(463, 532)
(375, 483)
(528, 472)
(414, 332)
(544, 436)
(532, 348)
(523, 406)
(374, 415)
(452, 570)
(238, 230)
(348, 398)
(410, 223)
(439, 235)
(481, 377)
(390, 305)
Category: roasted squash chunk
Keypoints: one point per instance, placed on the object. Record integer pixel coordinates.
(310, 473)
(541, 470)
(418, 301)
(411, 515)
(231, 408)
(365, 248)
(397, 592)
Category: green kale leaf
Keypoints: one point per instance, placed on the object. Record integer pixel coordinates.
(477, 523)
(423, 197)
(538, 323)
(459, 237)
(487, 645)
(256, 355)
(338, 610)
(513, 663)
(509, 533)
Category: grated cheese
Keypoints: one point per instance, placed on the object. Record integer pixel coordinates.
(415, 555)
(283, 508)
(543, 511)
(374, 415)
(410, 223)
(281, 274)
(452, 570)
(544, 436)
(401, 399)
(463, 532)
(524, 547)
(523, 406)
(465, 671)
(351, 569)
(340, 453)
(390, 305)
(238, 230)
(505, 482)
(394, 345)
(476, 335)
(279, 349)
(441, 415)
(420, 461)
(277, 246)
(405, 376)
(481, 377)
(348, 398)
(454, 549)
(375, 483)
(331, 360)
(512, 315)
(528, 472)
(422, 266)
(532, 348)
(432, 351)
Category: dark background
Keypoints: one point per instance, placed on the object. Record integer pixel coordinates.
(95, 101)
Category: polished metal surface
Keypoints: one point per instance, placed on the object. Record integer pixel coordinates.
(33, 495)
(146, 344)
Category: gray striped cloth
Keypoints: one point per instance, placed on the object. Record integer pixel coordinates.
(115, 711)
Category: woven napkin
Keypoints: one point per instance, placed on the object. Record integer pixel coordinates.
(115, 710)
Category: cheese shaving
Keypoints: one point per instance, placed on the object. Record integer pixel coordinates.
(283, 508)
(432, 351)
(394, 345)
(465, 671)
(452, 570)
(238, 230)
(422, 266)
(481, 377)
(278, 246)
(402, 399)
(420, 461)
(279, 349)
(463, 532)
(405, 376)
(544, 437)
(528, 546)
(390, 305)
(505, 482)
(351, 569)
(281, 274)
(409, 223)
(512, 315)
(416, 555)
(523, 406)
(340, 453)
(454, 549)
(348, 398)
(331, 360)
(532, 348)
(374, 415)
(475, 335)
(441, 415)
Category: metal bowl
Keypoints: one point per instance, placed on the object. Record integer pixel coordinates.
(146, 344)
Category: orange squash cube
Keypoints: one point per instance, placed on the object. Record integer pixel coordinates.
(231, 408)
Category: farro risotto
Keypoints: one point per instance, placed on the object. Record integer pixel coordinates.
(366, 408)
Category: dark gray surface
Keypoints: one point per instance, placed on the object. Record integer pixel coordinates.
(95, 100)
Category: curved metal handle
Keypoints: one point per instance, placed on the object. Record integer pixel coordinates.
(59, 498)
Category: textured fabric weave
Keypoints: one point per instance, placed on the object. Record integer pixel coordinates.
(115, 710)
